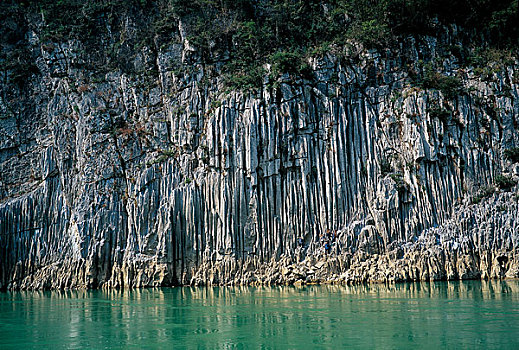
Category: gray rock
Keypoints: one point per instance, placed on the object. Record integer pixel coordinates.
(124, 181)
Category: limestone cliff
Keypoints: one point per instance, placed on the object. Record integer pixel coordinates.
(162, 175)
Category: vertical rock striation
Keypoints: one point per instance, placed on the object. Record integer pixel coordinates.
(164, 177)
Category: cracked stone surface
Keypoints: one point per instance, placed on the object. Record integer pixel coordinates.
(165, 177)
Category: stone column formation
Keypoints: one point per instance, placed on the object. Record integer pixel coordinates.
(127, 181)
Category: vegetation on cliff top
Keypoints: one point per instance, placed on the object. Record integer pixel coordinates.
(248, 33)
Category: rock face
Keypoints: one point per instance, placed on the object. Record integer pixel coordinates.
(165, 177)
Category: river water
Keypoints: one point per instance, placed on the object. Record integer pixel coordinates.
(436, 315)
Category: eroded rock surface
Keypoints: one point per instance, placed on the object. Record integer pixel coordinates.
(165, 177)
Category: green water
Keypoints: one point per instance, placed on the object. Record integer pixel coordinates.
(437, 315)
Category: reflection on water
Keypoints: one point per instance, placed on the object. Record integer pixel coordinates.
(443, 314)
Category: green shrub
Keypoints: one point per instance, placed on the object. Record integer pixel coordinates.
(504, 182)
(483, 193)
(450, 86)
(512, 154)
(372, 33)
(483, 57)
(245, 80)
(288, 62)
(385, 167)
(169, 153)
(398, 178)
(439, 112)
(488, 61)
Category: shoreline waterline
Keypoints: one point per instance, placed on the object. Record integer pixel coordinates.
(454, 314)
